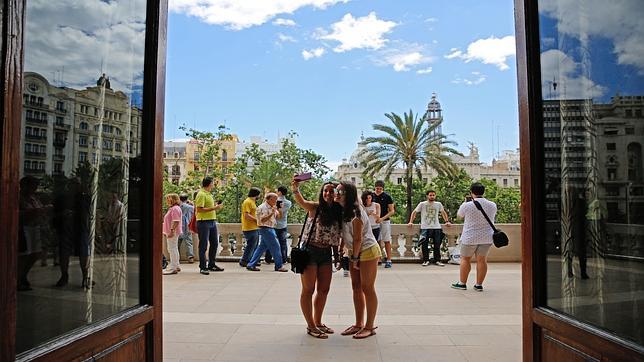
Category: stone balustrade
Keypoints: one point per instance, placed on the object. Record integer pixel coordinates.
(231, 241)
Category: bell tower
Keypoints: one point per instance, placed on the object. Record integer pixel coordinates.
(434, 113)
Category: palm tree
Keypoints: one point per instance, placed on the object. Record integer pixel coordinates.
(415, 144)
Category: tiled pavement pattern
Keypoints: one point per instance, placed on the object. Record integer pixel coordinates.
(238, 315)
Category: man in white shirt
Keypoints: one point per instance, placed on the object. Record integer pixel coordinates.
(430, 227)
(267, 213)
(476, 238)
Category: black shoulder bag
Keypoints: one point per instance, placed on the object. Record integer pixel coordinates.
(299, 254)
(499, 238)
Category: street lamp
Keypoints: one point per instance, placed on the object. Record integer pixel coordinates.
(236, 184)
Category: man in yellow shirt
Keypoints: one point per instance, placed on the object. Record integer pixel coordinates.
(207, 227)
(249, 224)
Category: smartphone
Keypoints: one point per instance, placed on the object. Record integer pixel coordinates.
(219, 202)
(468, 198)
(303, 177)
(279, 204)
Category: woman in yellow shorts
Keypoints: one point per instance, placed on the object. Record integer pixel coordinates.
(364, 254)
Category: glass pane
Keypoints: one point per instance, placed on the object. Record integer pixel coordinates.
(592, 68)
(79, 229)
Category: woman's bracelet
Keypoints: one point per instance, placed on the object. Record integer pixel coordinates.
(355, 258)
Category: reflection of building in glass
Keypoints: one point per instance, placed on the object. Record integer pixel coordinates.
(566, 140)
(620, 127)
(65, 127)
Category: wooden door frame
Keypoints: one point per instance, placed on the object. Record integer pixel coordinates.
(144, 319)
(582, 337)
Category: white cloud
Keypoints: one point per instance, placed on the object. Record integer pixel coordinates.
(313, 53)
(476, 79)
(285, 38)
(619, 21)
(431, 20)
(284, 22)
(492, 50)
(366, 32)
(557, 67)
(238, 15)
(403, 56)
(424, 71)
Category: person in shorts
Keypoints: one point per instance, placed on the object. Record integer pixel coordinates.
(387, 210)
(476, 238)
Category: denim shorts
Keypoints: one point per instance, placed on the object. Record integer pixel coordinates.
(319, 256)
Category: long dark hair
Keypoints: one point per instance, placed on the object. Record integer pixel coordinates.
(351, 207)
(329, 214)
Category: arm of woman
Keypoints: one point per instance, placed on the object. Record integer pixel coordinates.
(377, 213)
(357, 242)
(309, 206)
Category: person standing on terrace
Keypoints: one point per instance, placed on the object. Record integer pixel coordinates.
(207, 227)
(267, 212)
(322, 230)
(364, 253)
(387, 210)
(430, 227)
(249, 224)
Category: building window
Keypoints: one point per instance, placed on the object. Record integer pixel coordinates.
(196, 156)
(638, 113)
(612, 174)
(165, 155)
(176, 155)
(224, 155)
(82, 141)
(399, 180)
(634, 155)
(516, 182)
(353, 179)
(176, 170)
(628, 113)
(505, 182)
(611, 146)
(82, 156)
(83, 126)
(117, 146)
(630, 130)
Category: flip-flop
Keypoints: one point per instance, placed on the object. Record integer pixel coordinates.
(372, 332)
(351, 330)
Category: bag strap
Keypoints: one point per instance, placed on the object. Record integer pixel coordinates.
(317, 211)
(478, 206)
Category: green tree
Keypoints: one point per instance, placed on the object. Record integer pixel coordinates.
(507, 199)
(411, 143)
(451, 190)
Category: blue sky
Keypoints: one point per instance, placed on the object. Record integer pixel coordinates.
(329, 69)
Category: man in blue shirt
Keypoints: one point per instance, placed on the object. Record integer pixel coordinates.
(283, 204)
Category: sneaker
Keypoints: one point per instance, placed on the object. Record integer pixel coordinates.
(243, 264)
(438, 263)
(345, 273)
(191, 259)
(282, 269)
(425, 263)
(478, 288)
(170, 271)
(215, 268)
(253, 268)
(460, 286)
(388, 264)
(204, 271)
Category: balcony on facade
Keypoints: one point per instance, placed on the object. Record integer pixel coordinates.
(38, 155)
(37, 104)
(34, 137)
(62, 126)
(34, 171)
(59, 142)
(60, 158)
(36, 120)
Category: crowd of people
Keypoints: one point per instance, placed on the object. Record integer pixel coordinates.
(341, 229)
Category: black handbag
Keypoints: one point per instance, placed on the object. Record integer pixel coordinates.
(499, 238)
(299, 254)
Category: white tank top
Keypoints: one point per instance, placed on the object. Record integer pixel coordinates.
(371, 211)
(368, 240)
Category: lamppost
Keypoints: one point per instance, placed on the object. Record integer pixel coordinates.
(236, 184)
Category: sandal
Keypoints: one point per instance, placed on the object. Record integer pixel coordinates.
(325, 329)
(351, 330)
(314, 332)
(371, 332)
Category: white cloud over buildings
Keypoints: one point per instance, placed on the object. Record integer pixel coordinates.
(492, 50)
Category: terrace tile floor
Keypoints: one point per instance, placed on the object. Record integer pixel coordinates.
(238, 315)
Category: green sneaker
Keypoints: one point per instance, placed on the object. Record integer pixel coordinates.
(459, 286)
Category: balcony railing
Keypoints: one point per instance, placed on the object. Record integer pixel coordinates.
(37, 105)
(35, 137)
(34, 171)
(404, 239)
(59, 158)
(36, 120)
(32, 154)
(62, 126)
(59, 142)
